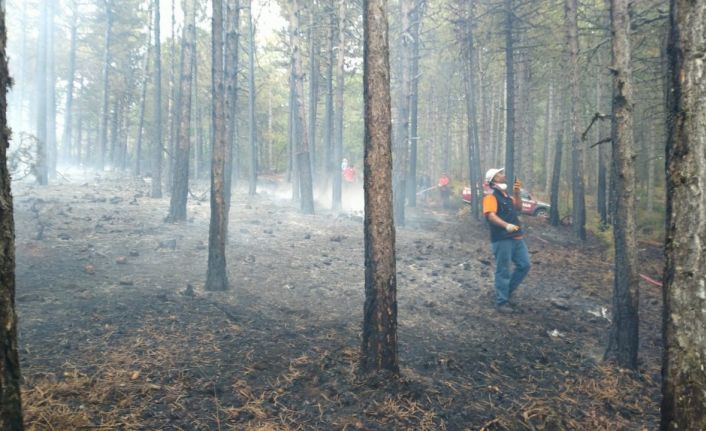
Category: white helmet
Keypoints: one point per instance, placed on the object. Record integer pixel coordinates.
(492, 173)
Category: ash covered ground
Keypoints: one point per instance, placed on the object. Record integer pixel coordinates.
(116, 331)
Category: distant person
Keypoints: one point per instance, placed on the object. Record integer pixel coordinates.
(344, 164)
(444, 190)
(506, 235)
(349, 174)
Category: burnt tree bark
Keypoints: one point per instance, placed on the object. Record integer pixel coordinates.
(180, 171)
(10, 379)
(554, 217)
(252, 124)
(302, 154)
(379, 346)
(683, 374)
(51, 93)
(157, 149)
(474, 171)
(105, 110)
(216, 276)
(401, 136)
(578, 215)
(623, 338)
(509, 91)
(10, 399)
(143, 97)
(330, 163)
(313, 87)
(232, 51)
(415, 17)
(68, 111)
(42, 168)
(338, 109)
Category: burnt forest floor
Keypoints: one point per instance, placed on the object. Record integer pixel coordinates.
(117, 332)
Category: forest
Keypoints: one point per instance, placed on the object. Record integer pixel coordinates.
(314, 215)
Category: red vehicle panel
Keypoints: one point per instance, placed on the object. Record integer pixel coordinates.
(530, 205)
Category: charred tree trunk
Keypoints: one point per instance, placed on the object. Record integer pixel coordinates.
(51, 94)
(105, 110)
(379, 347)
(303, 161)
(217, 277)
(338, 110)
(474, 171)
(415, 16)
(578, 215)
(113, 137)
(510, 91)
(252, 125)
(172, 102)
(143, 98)
(231, 71)
(623, 338)
(156, 168)
(182, 148)
(554, 217)
(330, 163)
(401, 137)
(42, 168)
(10, 379)
(683, 374)
(68, 112)
(313, 88)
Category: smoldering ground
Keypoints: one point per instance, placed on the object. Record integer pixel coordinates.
(117, 332)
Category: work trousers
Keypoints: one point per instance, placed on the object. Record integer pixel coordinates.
(507, 250)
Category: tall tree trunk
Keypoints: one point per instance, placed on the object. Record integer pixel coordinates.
(107, 59)
(313, 88)
(143, 98)
(232, 51)
(509, 92)
(156, 191)
(217, 277)
(303, 162)
(474, 171)
(684, 314)
(338, 110)
(269, 162)
(331, 167)
(379, 346)
(10, 379)
(68, 112)
(623, 339)
(401, 150)
(548, 121)
(51, 93)
(172, 101)
(578, 214)
(42, 168)
(252, 126)
(182, 148)
(79, 133)
(113, 137)
(554, 216)
(415, 17)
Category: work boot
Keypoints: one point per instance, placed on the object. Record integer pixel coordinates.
(504, 308)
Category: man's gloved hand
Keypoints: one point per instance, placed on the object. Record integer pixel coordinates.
(512, 228)
(516, 186)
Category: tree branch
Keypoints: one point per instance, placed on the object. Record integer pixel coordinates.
(596, 116)
(602, 141)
